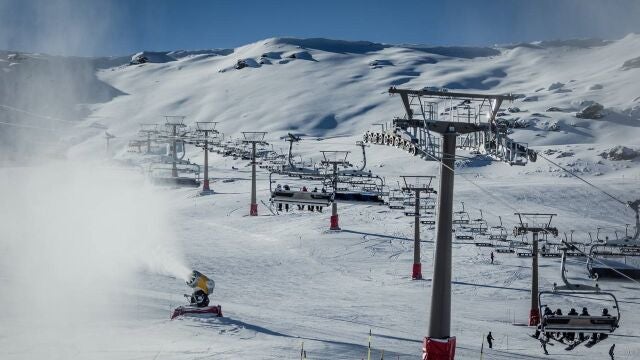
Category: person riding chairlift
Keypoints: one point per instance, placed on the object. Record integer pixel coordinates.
(559, 336)
(584, 312)
(547, 312)
(599, 337)
(571, 336)
(301, 207)
(279, 188)
(318, 208)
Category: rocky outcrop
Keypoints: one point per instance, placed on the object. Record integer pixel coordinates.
(592, 111)
(620, 152)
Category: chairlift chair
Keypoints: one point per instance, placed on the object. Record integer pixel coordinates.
(461, 217)
(498, 232)
(479, 225)
(396, 199)
(613, 261)
(578, 323)
(504, 249)
(298, 197)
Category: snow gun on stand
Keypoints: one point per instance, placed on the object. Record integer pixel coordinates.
(199, 300)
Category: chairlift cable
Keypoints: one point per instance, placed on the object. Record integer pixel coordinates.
(583, 180)
(35, 114)
(28, 126)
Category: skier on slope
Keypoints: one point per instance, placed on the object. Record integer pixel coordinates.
(490, 340)
(202, 288)
(544, 346)
(611, 354)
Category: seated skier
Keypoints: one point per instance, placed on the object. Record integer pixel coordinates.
(279, 188)
(559, 336)
(202, 288)
(547, 312)
(584, 312)
(602, 336)
(571, 336)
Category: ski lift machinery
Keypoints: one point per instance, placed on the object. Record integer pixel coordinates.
(418, 137)
(578, 323)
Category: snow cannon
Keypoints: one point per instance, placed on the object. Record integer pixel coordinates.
(198, 280)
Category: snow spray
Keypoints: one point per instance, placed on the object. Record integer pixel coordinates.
(85, 233)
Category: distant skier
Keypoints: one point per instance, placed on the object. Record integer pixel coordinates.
(492, 258)
(202, 288)
(544, 346)
(611, 355)
(490, 340)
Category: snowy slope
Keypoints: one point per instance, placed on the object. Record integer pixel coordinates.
(334, 87)
(283, 280)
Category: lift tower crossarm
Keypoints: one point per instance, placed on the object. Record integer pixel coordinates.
(405, 93)
(449, 94)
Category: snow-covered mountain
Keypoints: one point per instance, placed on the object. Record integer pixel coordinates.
(323, 87)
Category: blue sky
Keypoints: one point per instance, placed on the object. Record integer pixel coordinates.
(117, 27)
